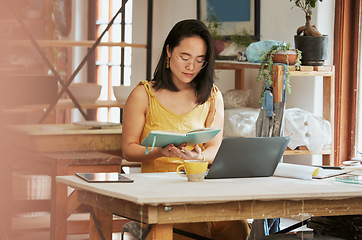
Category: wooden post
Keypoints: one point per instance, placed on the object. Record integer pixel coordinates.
(105, 220)
(328, 114)
(277, 78)
(239, 78)
(58, 218)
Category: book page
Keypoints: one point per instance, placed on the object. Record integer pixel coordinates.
(326, 173)
(200, 130)
(168, 132)
(198, 137)
(297, 171)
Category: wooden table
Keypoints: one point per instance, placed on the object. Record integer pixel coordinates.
(62, 204)
(164, 199)
(65, 138)
(62, 149)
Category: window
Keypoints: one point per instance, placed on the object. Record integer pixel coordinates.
(113, 64)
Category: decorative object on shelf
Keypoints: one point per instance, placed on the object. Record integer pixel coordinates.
(235, 98)
(309, 40)
(279, 53)
(96, 124)
(32, 10)
(286, 56)
(122, 92)
(230, 43)
(236, 46)
(85, 92)
(62, 14)
(257, 49)
(233, 15)
(307, 129)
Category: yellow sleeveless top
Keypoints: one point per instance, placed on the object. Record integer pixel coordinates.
(160, 118)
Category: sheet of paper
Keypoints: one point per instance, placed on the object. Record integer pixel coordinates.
(297, 171)
(306, 172)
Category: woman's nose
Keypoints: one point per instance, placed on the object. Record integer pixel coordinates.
(190, 65)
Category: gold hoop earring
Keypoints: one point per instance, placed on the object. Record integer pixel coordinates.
(168, 62)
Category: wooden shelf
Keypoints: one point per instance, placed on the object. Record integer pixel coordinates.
(65, 43)
(327, 72)
(65, 104)
(46, 138)
(303, 150)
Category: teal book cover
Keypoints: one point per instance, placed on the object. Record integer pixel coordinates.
(164, 138)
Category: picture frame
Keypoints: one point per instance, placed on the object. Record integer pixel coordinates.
(235, 16)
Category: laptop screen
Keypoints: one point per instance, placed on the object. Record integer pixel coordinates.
(240, 157)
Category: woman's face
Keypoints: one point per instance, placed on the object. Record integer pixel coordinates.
(187, 59)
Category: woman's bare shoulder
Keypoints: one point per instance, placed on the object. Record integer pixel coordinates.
(138, 98)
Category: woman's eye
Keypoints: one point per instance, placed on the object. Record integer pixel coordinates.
(185, 59)
(200, 61)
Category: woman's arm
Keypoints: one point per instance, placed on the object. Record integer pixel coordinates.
(211, 148)
(134, 117)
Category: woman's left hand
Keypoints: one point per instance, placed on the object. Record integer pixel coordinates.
(186, 154)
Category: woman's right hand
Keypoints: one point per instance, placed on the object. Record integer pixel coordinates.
(172, 151)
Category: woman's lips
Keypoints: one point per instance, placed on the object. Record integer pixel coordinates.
(188, 74)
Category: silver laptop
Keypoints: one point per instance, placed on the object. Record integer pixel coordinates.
(240, 157)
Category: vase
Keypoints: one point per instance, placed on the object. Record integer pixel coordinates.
(313, 48)
(282, 56)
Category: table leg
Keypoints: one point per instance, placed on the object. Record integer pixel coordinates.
(239, 78)
(161, 231)
(58, 219)
(100, 220)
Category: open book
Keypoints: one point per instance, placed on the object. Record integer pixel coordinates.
(164, 138)
(306, 172)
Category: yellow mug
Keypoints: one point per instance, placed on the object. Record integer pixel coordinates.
(195, 170)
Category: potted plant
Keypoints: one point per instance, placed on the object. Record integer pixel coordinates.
(242, 42)
(308, 39)
(214, 27)
(238, 41)
(279, 53)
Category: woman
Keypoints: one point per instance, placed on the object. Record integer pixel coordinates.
(181, 97)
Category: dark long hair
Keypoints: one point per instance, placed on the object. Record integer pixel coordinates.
(205, 78)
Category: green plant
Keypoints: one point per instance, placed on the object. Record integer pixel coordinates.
(243, 40)
(214, 26)
(266, 67)
(307, 5)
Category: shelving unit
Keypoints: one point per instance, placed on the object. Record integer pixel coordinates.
(65, 104)
(40, 42)
(72, 156)
(327, 72)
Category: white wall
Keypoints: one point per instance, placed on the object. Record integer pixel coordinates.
(78, 33)
(165, 14)
(279, 21)
(139, 36)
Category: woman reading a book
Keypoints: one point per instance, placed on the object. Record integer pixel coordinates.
(180, 97)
